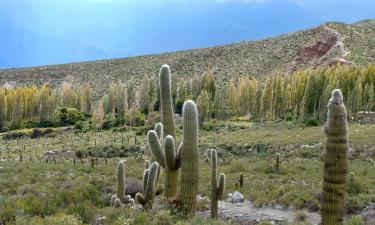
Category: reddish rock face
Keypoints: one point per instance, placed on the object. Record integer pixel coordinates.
(324, 48)
(317, 50)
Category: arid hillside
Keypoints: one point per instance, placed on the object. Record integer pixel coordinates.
(324, 45)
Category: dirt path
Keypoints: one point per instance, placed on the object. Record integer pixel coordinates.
(246, 214)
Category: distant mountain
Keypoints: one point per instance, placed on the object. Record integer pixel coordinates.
(328, 44)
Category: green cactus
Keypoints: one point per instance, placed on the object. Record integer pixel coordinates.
(167, 157)
(335, 162)
(121, 181)
(166, 101)
(189, 166)
(217, 189)
(149, 179)
(159, 131)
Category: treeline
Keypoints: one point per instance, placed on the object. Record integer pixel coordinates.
(33, 106)
(300, 96)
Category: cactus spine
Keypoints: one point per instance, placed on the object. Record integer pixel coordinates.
(335, 162)
(189, 166)
(121, 181)
(217, 189)
(166, 101)
(149, 178)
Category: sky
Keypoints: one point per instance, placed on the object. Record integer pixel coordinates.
(43, 32)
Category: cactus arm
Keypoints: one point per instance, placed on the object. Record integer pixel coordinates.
(179, 155)
(170, 152)
(155, 148)
(145, 179)
(149, 193)
(159, 131)
(166, 101)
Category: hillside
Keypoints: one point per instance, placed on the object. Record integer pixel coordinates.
(324, 45)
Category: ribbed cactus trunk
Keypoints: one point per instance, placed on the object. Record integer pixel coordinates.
(335, 162)
(121, 181)
(189, 167)
(217, 189)
(166, 101)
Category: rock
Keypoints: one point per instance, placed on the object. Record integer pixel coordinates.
(203, 202)
(369, 217)
(236, 197)
(98, 220)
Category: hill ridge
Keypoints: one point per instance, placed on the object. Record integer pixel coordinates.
(329, 43)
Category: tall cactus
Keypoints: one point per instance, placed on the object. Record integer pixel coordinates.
(217, 189)
(149, 178)
(335, 162)
(189, 166)
(161, 141)
(166, 101)
(121, 181)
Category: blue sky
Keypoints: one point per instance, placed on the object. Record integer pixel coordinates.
(42, 32)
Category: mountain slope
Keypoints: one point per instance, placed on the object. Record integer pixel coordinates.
(330, 43)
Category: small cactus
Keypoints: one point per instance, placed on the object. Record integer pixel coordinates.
(149, 178)
(241, 180)
(189, 166)
(121, 181)
(217, 189)
(92, 162)
(277, 162)
(335, 162)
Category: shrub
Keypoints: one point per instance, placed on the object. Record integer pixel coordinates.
(68, 116)
(139, 118)
(355, 220)
(36, 133)
(78, 125)
(16, 134)
(312, 123)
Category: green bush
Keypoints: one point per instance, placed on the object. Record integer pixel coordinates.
(7, 210)
(312, 123)
(355, 220)
(139, 118)
(67, 116)
(17, 134)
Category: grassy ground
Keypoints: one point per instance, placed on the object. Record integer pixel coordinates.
(36, 192)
